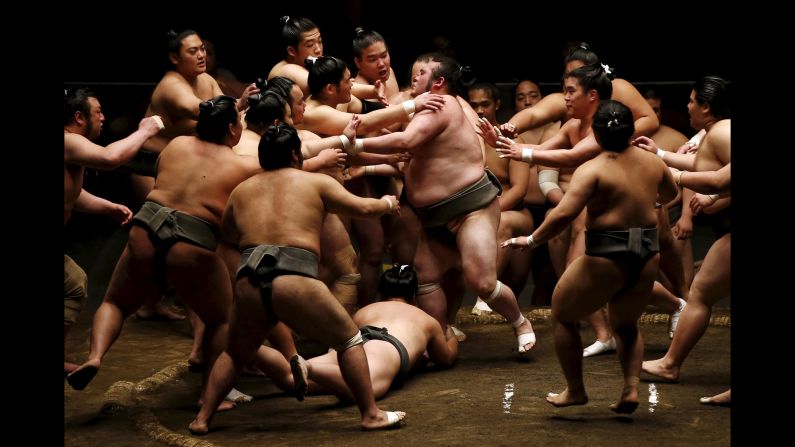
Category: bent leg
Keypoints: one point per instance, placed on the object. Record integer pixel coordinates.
(711, 284)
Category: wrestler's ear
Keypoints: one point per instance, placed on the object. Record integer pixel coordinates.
(291, 51)
(593, 95)
(173, 57)
(497, 104)
(80, 119)
(440, 82)
(358, 62)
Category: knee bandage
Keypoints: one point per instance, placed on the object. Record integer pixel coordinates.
(424, 289)
(548, 180)
(353, 341)
(494, 293)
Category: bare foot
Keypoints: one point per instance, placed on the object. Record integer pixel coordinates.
(69, 367)
(80, 377)
(628, 402)
(565, 398)
(300, 370)
(158, 313)
(723, 399)
(385, 420)
(225, 405)
(657, 369)
(525, 336)
(198, 428)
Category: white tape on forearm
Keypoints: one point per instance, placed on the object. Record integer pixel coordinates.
(530, 242)
(548, 180)
(369, 170)
(527, 155)
(358, 146)
(346, 143)
(409, 106)
(660, 153)
(389, 202)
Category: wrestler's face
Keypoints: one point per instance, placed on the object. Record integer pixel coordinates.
(192, 58)
(415, 70)
(424, 79)
(94, 119)
(297, 104)
(311, 44)
(655, 104)
(527, 95)
(698, 113)
(374, 63)
(576, 99)
(344, 88)
(485, 106)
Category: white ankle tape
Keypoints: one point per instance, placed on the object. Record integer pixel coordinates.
(519, 321)
(353, 341)
(494, 293)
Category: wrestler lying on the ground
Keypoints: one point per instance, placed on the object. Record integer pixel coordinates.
(396, 335)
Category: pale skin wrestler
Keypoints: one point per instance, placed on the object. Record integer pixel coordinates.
(447, 158)
(619, 187)
(302, 40)
(195, 175)
(708, 109)
(513, 175)
(416, 330)
(286, 206)
(83, 120)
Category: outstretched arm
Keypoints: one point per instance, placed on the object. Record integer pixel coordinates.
(421, 129)
(338, 200)
(679, 161)
(551, 108)
(79, 150)
(581, 188)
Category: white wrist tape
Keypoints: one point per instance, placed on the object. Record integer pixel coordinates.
(159, 121)
(346, 143)
(714, 197)
(409, 106)
(389, 202)
(358, 146)
(369, 170)
(527, 155)
(548, 180)
(530, 242)
(660, 153)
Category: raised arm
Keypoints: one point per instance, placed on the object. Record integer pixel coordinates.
(79, 150)
(551, 108)
(646, 121)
